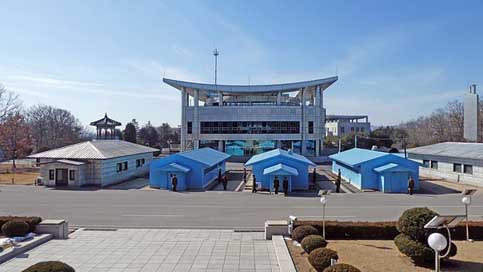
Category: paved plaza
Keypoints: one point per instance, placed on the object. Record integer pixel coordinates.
(130, 250)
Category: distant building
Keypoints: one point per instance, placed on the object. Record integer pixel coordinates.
(472, 128)
(458, 162)
(281, 163)
(374, 170)
(99, 162)
(341, 125)
(106, 128)
(245, 120)
(195, 170)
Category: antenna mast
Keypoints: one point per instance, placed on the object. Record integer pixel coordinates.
(216, 53)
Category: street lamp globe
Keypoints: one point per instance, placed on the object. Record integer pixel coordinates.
(466, 200)
(437, 241)
(323, 200)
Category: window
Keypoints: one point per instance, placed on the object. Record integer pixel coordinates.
(362, 129)
(457, 167)
(52, 174)
(352, 129)
(190, 127)
(434, 164)
(124, 168)
(426, 163)
(252, 127)
(139, 162)
(342, 130)
(119, 167)
(311, 127)
(357, 129)
(72, 174)
(468, 169)
(142, 161)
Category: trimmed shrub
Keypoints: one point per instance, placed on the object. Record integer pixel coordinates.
(50, 266)
(412, 222)
(417, 251)
(33, 221)
(312, 242)
(15, 228)
(342, 267)
(320, 258)
(301, 232)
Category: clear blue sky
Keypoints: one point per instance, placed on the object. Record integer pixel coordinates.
(395, 61)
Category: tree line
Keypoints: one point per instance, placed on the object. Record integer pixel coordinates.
(27, 130)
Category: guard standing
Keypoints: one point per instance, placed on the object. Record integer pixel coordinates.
(410, 185)
(219, 175)
(254, 187)
(276, 184)
(225, 182)
(244, 175)
(314, 176)
(337, 182)
(285, 186)
(174, 182)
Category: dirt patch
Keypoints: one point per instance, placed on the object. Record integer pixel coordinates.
(22, 178)
(383, 256)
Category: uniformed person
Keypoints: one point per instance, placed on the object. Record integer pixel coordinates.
(276, 184)
(314, 176)
(174, 182)
(219, 175)
(337, 182)
(254, 187)
(285, 186)
(225, 182)
(244, 175)
(410, 185)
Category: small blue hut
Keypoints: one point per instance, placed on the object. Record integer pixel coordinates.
(195, 169)
(374, 170)
(280, 163)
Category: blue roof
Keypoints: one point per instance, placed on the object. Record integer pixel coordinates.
(275, 153)
(206, 156)
(391, 167)
(175, 167)
(281, 169)
(356, 156)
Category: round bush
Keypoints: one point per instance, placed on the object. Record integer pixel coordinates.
(320, 258)
(419, 252)
(342, 267)
(50, 266)
(412, 222)
(33, 222)
(15, 228)
(312, 242)
(301, 232)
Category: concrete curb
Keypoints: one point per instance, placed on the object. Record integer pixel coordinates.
(12, 252)
(283, 256)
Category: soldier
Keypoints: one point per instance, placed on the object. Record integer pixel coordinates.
(276, 184)
(174, 182)
(337, 182)
(285, 186)
(254, 187)
(314, 176)
(225, 182)
(244, 175)
(219, 175)
(410, 185)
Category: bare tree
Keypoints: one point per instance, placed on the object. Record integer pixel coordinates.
(9, 103)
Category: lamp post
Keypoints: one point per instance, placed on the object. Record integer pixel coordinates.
(467, 201)
(437, 242)
(323, 200)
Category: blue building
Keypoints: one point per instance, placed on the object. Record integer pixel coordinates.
(281, 163)
(367, 169)
(195, 169)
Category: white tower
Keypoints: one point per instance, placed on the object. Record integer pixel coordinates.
(471, 115)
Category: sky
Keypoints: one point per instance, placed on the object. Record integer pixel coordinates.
(395, 61)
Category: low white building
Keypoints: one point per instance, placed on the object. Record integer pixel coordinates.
(457, 162)
(341, 125)
(99, 162)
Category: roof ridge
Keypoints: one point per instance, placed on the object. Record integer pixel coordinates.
(96, 149)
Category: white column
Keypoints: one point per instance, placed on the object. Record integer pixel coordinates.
(279, 98)
(302, 123)
(220, 145)
(196, 120)
(220, 95)
(184, 98)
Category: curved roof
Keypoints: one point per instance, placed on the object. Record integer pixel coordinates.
(275, 153)
(324, 83)
(106, 121)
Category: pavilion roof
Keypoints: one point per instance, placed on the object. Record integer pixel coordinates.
(106, 121)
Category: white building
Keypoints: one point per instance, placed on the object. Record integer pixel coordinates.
(458, 162)
(341, 125)
(99, 162)
(244, 120)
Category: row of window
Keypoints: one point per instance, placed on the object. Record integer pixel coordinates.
(252, 127)
(356, 129)
(52, 174)
(457, 167)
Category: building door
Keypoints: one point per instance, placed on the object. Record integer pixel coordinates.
(61, 177)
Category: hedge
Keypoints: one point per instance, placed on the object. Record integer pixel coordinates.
(341, 267)
(299, 233)
(15, 228)
(33, 221)
(320, 258)
(50, 266)
(312, 242)
(337, 230)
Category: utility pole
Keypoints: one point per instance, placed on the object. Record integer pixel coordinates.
(355, 141)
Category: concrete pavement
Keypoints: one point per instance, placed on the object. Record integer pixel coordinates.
(212, 209)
